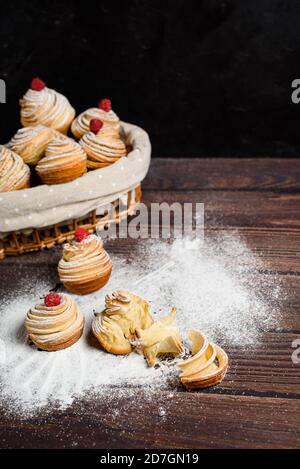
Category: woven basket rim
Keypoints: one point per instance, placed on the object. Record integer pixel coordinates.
(17, 243)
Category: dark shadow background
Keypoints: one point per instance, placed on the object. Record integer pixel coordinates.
(204, 78)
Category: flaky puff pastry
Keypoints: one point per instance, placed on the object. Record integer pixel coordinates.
(85, 266)
(104, 148)
(47, 107)
(55, 327)
(30, 142)
(116, 327)
(81, 124)
(207, 366)
(64, 161)
(162, 338)
(14, 173)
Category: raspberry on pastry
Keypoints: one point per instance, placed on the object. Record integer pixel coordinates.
(96, 125)
(80, 234)
(52, 299)
(105, 104)
(37, 84)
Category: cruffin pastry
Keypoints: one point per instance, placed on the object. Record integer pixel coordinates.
(30, 142)
(14, 173)
(54, 328)
(85, 266)
(116, 327)
(81, 124)
(64, 161)
(103, 149)
(47, 107)
(206, 367)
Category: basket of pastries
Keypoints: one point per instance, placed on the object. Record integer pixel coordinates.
(61, 171)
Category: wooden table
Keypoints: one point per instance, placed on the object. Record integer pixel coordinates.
(258, 404)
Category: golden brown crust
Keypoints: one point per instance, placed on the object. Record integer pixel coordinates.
(64, 161)
(60, 346)
(90, 286)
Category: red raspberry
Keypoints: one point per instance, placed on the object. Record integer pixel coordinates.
(105, 105)
(37, 84)
(52, 299)
(80, 234)
(95, 125)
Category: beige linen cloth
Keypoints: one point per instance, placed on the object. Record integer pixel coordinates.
(45, 205)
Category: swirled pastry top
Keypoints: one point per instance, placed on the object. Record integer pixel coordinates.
(60, 152)
(51, 325)
(81, 124)
(14, 173)
(31, 142)
(129, 310)
(103, 148)
(83, 261)
(47, 107)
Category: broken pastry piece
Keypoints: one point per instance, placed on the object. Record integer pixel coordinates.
(116, 327)
(162, 338)
(207, 366)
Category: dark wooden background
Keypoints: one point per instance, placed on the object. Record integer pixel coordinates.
(203, 77)
(258, 403)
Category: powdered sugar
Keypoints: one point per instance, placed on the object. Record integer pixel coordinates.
(215, 287)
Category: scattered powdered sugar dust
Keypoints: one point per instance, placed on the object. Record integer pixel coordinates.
(215, 285)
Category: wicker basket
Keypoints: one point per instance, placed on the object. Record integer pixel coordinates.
(17, 243)
(25, 228)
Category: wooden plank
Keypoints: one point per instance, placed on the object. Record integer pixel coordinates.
(162, 420)
(280, 174)
(249, 209)
(265, 369)
(277, 248)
